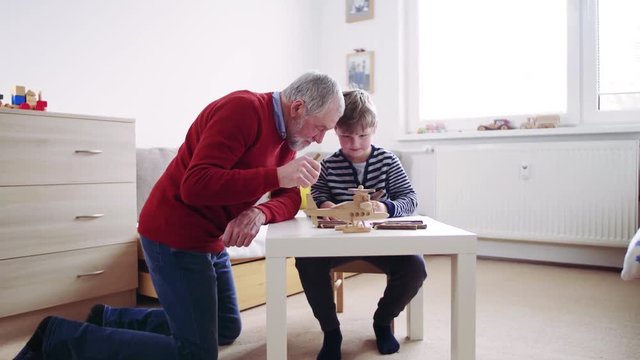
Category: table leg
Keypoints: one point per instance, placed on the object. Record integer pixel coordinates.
(415, 316)
(463, 307)
(276, 281)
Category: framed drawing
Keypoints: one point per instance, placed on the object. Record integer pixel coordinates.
(358, 10)
(360, 70)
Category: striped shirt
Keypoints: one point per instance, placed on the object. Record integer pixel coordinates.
(383, 171)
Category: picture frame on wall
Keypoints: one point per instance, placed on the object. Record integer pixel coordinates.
(360, 70)
(358, 10)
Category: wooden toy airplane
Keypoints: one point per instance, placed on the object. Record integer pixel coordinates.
(354, 213)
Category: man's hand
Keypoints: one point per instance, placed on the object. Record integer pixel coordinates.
(243, 229)
(303, 171)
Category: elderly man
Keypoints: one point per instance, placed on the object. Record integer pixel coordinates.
(240, 147)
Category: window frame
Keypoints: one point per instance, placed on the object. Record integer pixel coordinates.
(590, 112)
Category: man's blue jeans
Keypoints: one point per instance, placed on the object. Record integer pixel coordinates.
(200, 311)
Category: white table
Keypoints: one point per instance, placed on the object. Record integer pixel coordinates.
(298, 238)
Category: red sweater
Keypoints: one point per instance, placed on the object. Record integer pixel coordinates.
(226, 163)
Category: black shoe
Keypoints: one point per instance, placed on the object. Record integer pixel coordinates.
(33, 349)
(96, 315)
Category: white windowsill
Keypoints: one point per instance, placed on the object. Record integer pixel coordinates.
(521, 133)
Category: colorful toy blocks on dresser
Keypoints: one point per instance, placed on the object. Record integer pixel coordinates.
(24, 99)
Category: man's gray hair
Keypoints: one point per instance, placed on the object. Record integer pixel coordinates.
(317, 90)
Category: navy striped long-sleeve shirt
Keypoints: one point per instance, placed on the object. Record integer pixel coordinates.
(383, 171)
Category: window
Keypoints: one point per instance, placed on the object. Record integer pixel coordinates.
(618, 54)
(480, 60)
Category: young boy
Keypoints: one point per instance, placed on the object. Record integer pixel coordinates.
(358, 162)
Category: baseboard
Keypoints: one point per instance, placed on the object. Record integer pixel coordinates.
(580, 255)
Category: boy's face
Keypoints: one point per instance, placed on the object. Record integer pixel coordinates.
(356, 144)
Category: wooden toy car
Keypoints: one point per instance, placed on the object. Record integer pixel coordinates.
(541, 122)
(497, 124)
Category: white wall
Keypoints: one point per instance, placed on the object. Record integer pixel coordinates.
(157, 61)
(380, 35)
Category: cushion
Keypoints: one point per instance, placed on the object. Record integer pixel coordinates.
(150, 164)
(631, 268)
(303, 195)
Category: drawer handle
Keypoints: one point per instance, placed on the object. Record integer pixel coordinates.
(90, 152)
(89, 217)
(93, 273)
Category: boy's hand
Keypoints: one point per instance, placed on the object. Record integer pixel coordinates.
(327, 205)
(303, 171)
(243, 229)
(379, 206)
(377, 195)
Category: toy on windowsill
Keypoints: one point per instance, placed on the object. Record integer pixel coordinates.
(353, 213)
(541, 122)
(432, 127)
(497, 124)
(26, 100)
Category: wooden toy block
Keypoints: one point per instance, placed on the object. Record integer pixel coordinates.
(31, 98)
(24, 106)
(18, 90)
(18, 99)
(40, 105)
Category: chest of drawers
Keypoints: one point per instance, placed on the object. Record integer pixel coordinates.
(67, 216)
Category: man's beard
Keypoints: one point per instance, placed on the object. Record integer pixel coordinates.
(296, 143)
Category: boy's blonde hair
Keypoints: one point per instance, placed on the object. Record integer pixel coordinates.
(359, 112)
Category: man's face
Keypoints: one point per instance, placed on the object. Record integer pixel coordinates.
(306, 129)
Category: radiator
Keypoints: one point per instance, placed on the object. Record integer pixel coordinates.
(582, 192)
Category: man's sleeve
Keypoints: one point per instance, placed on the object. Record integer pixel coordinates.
(283, 205)
(402, 196)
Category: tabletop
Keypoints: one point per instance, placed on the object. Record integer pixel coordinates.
(298, 237)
